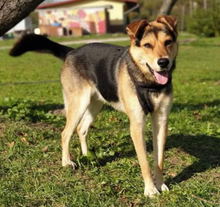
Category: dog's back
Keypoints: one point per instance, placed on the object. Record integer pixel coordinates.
(98, 63)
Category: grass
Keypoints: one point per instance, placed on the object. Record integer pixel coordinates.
(10, 42)
(31, 172)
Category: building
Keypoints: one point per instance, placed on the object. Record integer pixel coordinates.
(78, 17)
(23, 26)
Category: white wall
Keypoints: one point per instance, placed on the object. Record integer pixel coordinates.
(24, 24)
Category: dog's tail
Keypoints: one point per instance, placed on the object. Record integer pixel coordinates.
(39, 43)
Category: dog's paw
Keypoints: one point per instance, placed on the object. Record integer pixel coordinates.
(67, 163)
(162, 187)
(151, 191)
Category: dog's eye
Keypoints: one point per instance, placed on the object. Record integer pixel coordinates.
(168, 42)
(148, 45)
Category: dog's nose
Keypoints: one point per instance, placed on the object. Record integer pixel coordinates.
(163, 62)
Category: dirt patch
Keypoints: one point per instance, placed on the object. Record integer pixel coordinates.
(187, 41)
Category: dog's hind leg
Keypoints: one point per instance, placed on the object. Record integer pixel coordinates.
(75, 106)
(83, 127)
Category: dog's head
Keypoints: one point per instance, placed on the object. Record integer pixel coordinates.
(154, 47)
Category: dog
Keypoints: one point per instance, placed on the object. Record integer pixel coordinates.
(136, 80)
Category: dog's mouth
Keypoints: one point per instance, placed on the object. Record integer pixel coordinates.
(161, 77)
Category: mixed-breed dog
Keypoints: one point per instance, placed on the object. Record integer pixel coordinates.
(136, 80)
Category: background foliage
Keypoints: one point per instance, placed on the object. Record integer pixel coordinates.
(191, 15)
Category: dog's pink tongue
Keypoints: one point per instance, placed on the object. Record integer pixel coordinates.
(161, 77)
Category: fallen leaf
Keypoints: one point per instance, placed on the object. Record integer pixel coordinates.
(217, 83)
(44, 149)
(23, 139)
(11, 144)
(133, 163)
(197, 115)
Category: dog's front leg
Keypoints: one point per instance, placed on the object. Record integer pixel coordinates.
(159, 121)
(137, 134)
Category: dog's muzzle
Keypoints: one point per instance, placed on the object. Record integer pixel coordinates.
(161, 77)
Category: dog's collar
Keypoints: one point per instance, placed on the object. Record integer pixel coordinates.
(144, 88)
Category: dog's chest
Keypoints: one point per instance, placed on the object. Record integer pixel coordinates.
(151, 100)
(161, 100)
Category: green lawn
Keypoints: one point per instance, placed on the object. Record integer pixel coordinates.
(10, 42)
(30, 169)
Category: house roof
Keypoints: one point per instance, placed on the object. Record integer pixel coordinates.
(57, 4)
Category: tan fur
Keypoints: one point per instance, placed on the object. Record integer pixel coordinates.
(141, 55)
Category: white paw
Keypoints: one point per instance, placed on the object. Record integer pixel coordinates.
(68, 162)
(162, 187)
(151, 191)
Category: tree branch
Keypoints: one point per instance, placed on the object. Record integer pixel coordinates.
(167, 6)
(10, 15)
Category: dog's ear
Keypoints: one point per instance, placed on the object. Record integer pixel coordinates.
(135, 29)
(170, 21)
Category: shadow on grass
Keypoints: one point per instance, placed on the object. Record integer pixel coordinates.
(33, 106)
(179, 106)
(31, 111)
(205, 148)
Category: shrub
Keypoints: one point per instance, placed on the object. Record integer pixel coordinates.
(204, 22)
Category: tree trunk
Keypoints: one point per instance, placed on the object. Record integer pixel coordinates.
(166, 7)
(13, 11)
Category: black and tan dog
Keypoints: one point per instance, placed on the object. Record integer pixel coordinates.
(135, 80)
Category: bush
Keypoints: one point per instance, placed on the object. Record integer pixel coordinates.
(204, 22)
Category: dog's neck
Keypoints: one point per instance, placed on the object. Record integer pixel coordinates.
(145, 87)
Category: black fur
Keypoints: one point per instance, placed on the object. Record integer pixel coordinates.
(38, 43)
(156, 30)
(98, 62)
